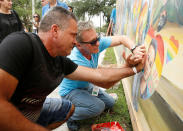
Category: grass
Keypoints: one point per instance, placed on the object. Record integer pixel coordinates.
(120, 110)
(109, 57)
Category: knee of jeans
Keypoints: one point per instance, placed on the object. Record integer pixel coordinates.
(110, 103)
(98, 108)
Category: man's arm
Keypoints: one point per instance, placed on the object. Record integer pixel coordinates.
(11, 118)
(127, 42)
(104, 76)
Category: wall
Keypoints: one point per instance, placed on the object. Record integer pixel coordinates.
(155, 95)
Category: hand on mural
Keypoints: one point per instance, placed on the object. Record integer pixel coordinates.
(139, 51)
(141, 64)
(131, 60)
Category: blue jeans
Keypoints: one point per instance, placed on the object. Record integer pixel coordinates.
(86, 105)
(54, 110)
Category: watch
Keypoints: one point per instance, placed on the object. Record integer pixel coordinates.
(133, 48)
(134, 70)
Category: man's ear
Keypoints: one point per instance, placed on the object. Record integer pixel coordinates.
(55, 29)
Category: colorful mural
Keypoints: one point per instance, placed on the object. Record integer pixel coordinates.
(158, 25)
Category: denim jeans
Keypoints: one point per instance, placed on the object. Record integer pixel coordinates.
(86, 105)
(54, 110)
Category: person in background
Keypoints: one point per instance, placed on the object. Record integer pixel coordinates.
(36, 23)
(70, 8)
(9, 19)
(52, 3)
(111, 27)
(44, 2)
(88, 99)
(32, 66)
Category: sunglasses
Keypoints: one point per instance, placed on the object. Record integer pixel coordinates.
(35, 16)
(93, 42)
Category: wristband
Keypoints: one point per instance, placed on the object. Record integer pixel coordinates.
(133, 48)
(134, 70)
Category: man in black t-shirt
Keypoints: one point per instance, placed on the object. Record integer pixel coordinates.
(32, 66)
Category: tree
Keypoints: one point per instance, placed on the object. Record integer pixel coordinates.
(93, 7)
(24, 10)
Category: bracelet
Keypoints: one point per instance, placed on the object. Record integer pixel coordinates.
(134, 70)
(133, 48)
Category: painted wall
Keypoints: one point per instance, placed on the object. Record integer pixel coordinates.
(157, 91)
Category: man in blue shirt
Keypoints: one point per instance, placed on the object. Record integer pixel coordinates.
(88, 99)
(111, 27)
(52, 3)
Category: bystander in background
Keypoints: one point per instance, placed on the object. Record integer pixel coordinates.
(111, 27)
(52, 3)
(36, 23)
(9, 19)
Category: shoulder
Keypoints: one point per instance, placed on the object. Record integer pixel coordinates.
(16, 36)
(15, 54)
(13, 11)
(44, 8)
(17, 40)
(105, 42)
(62, 4)
(77, 57)
(114, 10)
(113, 13)
(75, 53)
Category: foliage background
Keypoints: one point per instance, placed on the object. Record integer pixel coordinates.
(81, 9)
(93, 7)
(24, 10)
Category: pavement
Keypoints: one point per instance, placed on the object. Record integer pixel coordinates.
(55, 94)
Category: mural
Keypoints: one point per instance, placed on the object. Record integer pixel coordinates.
(158, 25)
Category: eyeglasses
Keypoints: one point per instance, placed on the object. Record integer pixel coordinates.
(93, 42)
(35, 16)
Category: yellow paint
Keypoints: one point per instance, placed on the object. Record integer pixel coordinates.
(158, 64)
(148, 39)
(173, 46)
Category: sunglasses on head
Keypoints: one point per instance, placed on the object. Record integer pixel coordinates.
(93, 42)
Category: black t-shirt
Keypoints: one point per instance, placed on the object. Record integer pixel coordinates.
(9, 23)
(25, 57)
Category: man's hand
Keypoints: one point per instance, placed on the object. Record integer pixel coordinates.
(141, 64)
(131, 60)
(139, 51)
(136, 57)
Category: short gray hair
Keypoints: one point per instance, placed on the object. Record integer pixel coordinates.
(83, 26)
(56, 15)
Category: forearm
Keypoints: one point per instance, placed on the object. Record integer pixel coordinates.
(113, 75)
(106, 85)
(102, 75)
(122, 40)
(127, 42)
(13, 120)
